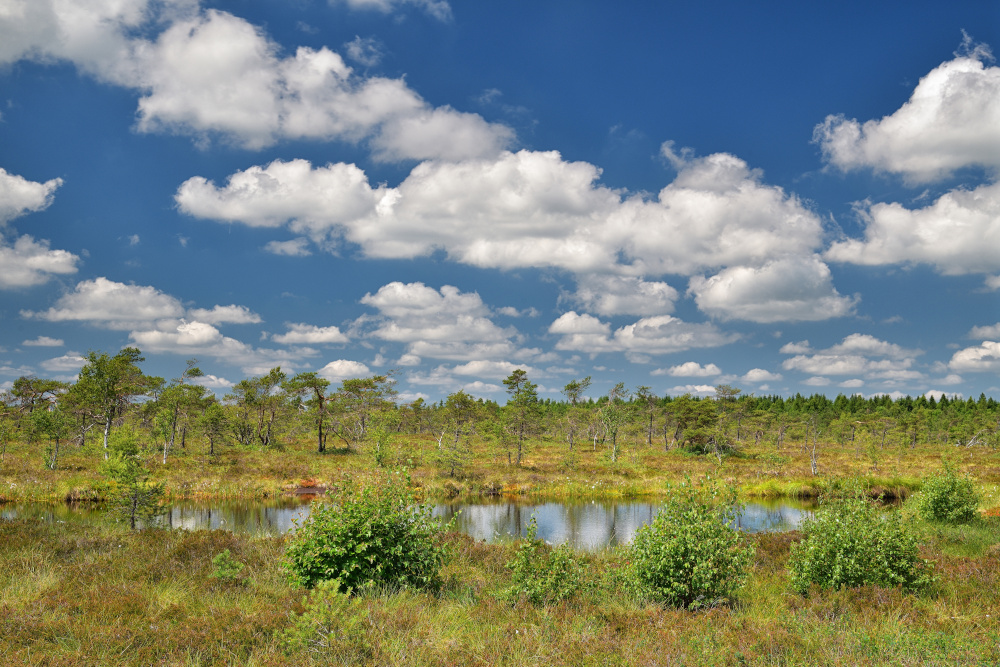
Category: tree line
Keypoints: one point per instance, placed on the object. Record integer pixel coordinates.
(269, 410)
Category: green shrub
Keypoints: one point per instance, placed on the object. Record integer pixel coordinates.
(541, 574)
(333, 627)
(690, 556)
(378, 535)
(853, 543)
(947, 497)
(225, 567)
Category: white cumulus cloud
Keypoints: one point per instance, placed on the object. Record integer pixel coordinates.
(440, 324)
(208, 73)
(439, 9)
(757, 375)
(232, 314)
(662, 334)
(310, 334)
(44, 341)
(111, 304)
(952, 120)
(691, 369)
(958, 233)
(343, 369)
(783, 290)
(858, 354)
(984, 358)
(29, 262)
(991, 331)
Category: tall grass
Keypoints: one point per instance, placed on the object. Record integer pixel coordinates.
(548, 472)
(72, 594)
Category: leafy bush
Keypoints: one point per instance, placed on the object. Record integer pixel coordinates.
(947, 497)
(853, 543)
(132, 496)
(333, 627)
(225, 567)
(690, 556)
(541, 574)
(378, 535)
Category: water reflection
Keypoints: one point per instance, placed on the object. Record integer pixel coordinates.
(589, 525)
(595, 525)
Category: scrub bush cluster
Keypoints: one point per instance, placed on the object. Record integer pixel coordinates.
(690, 556)
(541, 574)
(377, 536)
(853, 543)
(947, 497)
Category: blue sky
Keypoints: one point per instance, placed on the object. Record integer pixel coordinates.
(798, 199)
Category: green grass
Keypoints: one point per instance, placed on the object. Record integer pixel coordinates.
(76, 594)
(548, 471)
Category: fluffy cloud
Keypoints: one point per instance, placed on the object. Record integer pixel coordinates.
(662, 334)
(115, 305)
(452, 379)
(694, 389)
(217, 74)
(958, 233)
(212, 382)
(19, 196)
(44, 341)
(298, 247)
(366, 51)
(199, 339)
(690, 369)
(620, 295)
(343, 369)
(445, 324)
(980, 359)
(717, 212)
(991, 331)
(783, 290)
(310, 334)
(111, 304)
(951, 120)
(757, 375)
(858, 354)
(439, 9)
(210, 73)
(529, 209)
(91, 34)
(29, 262)
(490, 369)
(71, 362)
(311, 201)
(224, 314)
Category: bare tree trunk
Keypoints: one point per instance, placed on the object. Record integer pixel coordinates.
(107, 432)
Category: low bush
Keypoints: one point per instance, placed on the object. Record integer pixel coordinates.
(334, 626)
(225, 567)
(378, 535)
(690, 555)
(853, 543)
(947, 497)
(541, 574)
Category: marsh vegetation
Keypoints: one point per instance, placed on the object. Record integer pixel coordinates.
(375, 579)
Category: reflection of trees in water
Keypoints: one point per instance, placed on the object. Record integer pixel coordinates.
(588, 526)
(268, 519)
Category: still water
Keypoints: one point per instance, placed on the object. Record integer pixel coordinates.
(586, 525)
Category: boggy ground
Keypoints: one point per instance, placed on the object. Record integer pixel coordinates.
(75, 594)
(549, 469)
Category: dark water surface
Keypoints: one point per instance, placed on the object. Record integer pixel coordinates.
(588, 525)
